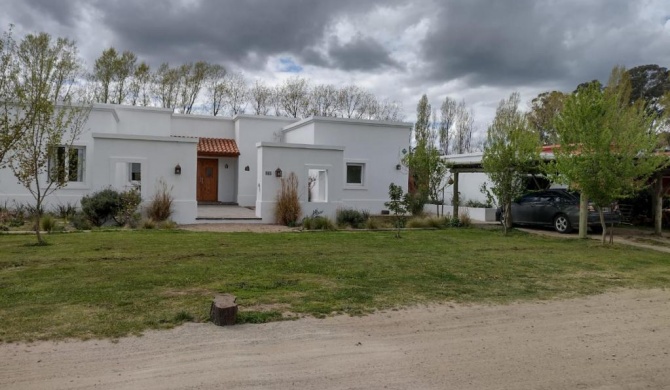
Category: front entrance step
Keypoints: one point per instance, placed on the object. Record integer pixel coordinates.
(218, 204)
(228, 220)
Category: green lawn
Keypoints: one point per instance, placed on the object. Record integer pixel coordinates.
(110, 284)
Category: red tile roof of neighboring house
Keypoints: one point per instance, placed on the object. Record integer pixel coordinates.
(223, 147)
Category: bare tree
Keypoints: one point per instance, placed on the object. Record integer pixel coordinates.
(261, 98)
(294, 96)
(323, 100)
(387, 110)
(276, 100)
(351, 100)
(215, 84)
(448, 114)
(236, 94)
(43, 160)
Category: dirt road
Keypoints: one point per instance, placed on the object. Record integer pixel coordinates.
(614, 341)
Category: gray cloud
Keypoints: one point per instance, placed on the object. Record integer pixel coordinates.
(361, 53)
(532, 41)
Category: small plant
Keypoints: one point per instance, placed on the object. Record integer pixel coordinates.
(160, 207)
(287, 208)
(372, 224)
(148, 224)
(167, 225)
(66, 211)
(101, 206)
(48, 223)
(417, 223)
(437, 222)
(351, 217)
(464, 218)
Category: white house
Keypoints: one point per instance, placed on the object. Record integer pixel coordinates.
(237, 160)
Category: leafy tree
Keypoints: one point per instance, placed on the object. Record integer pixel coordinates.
(607, 144)
(448, 115)
(422, 124)
(103, 74)
(124, 68)
(167, 85)
(398, 206)
(511, 149)
(193, 76)
(12, 118)
(649, 83)
(544, 108)
(47, 71)
(140, 86)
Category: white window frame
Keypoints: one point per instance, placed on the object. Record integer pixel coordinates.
(130, 172)
(346, 173)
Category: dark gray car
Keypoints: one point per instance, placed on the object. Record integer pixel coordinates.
(555, 208)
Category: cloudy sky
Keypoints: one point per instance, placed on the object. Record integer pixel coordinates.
(476, 50)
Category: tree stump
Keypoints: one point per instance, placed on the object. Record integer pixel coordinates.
(223, 310)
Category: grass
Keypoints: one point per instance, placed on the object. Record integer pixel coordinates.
(116, 283)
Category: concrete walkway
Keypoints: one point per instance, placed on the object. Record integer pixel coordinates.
(618, 239)
(225, 212)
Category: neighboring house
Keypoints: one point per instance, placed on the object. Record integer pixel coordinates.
(235, 160)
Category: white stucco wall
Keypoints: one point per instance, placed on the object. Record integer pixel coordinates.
(379, 146)
(249, 130)
(300, 135)
(202, 126)
(299, 159)
(158, 156)
(469, 184)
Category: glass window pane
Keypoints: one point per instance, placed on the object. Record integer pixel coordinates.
(354, 173)
(135, 172)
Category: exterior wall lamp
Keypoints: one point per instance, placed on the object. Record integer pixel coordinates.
(246, 168)
(278, 172)
(177, 170)
(398, 167)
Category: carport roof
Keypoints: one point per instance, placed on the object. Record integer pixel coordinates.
(220, 147)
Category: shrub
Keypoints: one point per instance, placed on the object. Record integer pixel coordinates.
(437, 222)
(287, 208)
(160, 207)
(167, 225)
(129, 202)
(80, 221)
(351, 217)
(318, 223)
(100, 206)
(415, 203)
(48, 223)
(476, 203)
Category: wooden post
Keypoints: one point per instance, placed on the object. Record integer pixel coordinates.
(583, 215)
(657, 202)
(455, 199)
(223, 310)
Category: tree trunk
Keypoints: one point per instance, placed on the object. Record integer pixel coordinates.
(223, 310)
(583, 215)
(657, 201)
(455, 197)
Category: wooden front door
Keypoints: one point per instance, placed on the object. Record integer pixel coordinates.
(208, 180)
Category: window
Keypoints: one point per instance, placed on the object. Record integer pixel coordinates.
(67, 164)
(355, 173)
(135, 171)
(317, 185)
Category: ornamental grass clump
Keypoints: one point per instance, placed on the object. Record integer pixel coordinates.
(287, 208)
(160, 207)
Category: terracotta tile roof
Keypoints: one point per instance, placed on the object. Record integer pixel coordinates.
(218, 147)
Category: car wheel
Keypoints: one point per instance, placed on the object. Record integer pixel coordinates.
(562, 224)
